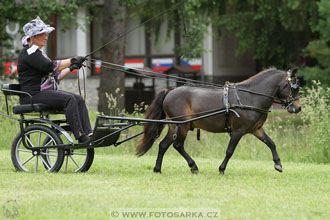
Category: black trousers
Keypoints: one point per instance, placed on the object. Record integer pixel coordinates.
(73, 105)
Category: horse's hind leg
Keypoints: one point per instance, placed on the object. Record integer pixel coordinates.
(163, 146)
(261, 135)
(179, 146)
(235, 138)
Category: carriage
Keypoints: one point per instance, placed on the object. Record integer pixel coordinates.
(47, 142)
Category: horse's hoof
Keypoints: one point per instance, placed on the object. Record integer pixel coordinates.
(194, 168)
(278, 168)
(194, 171)
(222, 172)
(156, 170)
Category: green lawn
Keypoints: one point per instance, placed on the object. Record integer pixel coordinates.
(248, 190)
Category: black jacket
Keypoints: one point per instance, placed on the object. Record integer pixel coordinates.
(31, 68)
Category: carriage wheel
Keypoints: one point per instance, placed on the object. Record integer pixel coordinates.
(37, 136)
(77, 160)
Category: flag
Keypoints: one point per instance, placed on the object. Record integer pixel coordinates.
(193, 63)
(162, 64)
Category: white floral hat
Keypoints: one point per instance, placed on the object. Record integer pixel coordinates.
(35, 27)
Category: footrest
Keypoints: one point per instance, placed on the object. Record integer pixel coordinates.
(105, 136)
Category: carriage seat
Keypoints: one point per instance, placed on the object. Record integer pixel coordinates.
(28, 108)
(15, 89)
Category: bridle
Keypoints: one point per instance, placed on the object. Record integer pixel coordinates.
(293, 83)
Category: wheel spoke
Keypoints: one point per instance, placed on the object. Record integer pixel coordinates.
(45, 163)
(66, 163)
(36, 168)
(27, 160)
(39, 138)
(28, 139)
(74, 161)
(81, 154)
(48, 142)
(47, 154)
(23, 150)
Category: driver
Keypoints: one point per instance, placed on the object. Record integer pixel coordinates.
(36, 71)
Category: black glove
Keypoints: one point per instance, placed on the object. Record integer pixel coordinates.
(76, 62)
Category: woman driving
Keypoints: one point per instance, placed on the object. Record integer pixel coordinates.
(35, 71)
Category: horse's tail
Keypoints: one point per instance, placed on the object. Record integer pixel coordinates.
(152, 130)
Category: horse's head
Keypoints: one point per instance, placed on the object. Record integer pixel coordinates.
(289, 92)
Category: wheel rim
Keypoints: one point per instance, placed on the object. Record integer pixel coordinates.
(75, 159)
(29, 160)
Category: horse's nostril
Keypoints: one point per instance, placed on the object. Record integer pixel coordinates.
(299, 108)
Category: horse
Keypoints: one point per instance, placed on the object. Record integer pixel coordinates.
(251, 100)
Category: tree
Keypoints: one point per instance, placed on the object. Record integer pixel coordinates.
(112, 81)
(276, 31)
(318, 50)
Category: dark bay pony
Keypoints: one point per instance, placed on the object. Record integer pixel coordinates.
(258, 92)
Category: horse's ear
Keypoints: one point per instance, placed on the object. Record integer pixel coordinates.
(293, 72)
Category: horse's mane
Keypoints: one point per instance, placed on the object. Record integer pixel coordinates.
(260, 76)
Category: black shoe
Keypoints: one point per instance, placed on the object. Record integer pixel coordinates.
(83, 139)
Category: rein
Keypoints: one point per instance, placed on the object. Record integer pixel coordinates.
(198, 83)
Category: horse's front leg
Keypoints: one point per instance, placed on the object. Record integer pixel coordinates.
(261, 135)
(235, 138)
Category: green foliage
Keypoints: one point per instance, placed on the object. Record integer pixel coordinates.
(319, 49)
(113, 100)
(8, 127)
(316, 116)
(186, 19)
(275, 30)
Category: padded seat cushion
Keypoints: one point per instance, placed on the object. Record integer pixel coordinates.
(27, 108)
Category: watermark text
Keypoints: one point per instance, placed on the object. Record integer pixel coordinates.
(165, 213)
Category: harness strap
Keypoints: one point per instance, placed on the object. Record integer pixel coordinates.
(227, 106)
(225, 96)
(247, 107)
(237, 97)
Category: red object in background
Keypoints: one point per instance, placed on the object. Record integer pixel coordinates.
(137, 63)
(98, 65)
(74, 71)
(10, 68)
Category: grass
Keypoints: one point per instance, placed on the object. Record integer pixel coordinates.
(248, 190)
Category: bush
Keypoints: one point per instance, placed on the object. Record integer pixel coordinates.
(316, 114)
